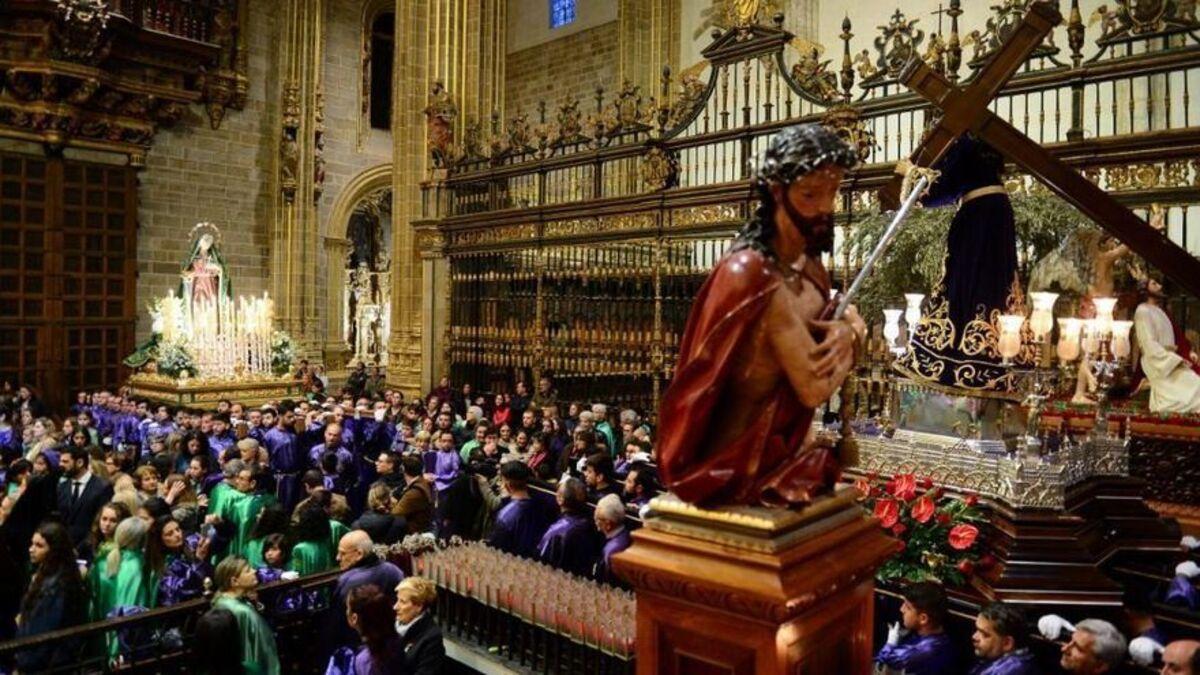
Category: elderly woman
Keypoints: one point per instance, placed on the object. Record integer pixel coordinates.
(236, 581)
(420, 637)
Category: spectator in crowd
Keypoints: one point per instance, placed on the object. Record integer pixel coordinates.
(610, 522)
(918, 644)
(522, 520)
(369, 612)
(125, 580)
(184, 563)
(414, 502)
(598, 475)
(216, 643)
(571, 543)
(641, 485)
(1181, 657)
(310, 545)
(999, 641)
(420, 638)
(56, 599)
(236, 582)
(377, 521)
(81, 494)
(360, 566)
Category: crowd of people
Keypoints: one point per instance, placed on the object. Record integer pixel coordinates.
(918, 644)
(122, 504)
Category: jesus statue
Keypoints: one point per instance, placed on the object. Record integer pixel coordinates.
(756, 359)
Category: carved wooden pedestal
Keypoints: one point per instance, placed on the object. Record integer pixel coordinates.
(755, 591)
(1050, 556)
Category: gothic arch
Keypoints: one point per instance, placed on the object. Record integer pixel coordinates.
(336, 246)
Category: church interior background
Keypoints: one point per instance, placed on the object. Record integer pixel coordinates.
(495, 190)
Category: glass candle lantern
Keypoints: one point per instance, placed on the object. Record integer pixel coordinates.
(1009, 343)
(1068, 339)
(891, 327)
(912, 310)
(1120, 338)
(1041, 319)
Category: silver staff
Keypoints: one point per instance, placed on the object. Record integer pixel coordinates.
(882, 246)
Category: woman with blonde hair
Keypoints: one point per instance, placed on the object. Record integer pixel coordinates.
(125, 493)
(145, 479)
(420, 637)
(44, 437)
(236, 582)
(185, 506)
(124, 579)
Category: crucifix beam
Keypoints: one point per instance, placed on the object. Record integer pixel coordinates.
(966, 110)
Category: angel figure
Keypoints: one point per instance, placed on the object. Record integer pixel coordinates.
(1106, 18)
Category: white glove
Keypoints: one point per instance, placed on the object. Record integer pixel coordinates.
(581, 464)
(1052, 626)
(1190, 543)
(895, 632)
(1187, 568)
(289, 576)
(1143, 650)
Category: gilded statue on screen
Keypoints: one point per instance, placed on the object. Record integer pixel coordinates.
(756, 359)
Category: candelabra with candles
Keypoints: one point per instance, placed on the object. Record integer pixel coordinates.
(226, 339)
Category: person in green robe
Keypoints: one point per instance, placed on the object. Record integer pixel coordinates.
(236, 581)
(101, 541)
(337, 529)
(272, 519)
(255, 486)
(125, 580)
(312, 551)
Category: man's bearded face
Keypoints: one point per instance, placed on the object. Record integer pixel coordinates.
(808, 203)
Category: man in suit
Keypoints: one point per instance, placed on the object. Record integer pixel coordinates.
(80, 494)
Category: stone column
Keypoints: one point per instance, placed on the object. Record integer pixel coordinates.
(648, 40)
(334, 349)
(435, 301)
(294, 226)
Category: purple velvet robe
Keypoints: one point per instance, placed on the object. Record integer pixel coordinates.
(1019, 662)
(219, 444)
(445, 469)
(571, 544)
(919, 655)
(1181, 592)
(286, 463)
(612, 546)
(519, 527)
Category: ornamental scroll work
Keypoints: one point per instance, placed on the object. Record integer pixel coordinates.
(1020, 482)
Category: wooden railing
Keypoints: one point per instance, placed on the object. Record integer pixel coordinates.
(190, 19)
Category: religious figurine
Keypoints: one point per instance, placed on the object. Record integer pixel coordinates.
(203, 276)
(1169, 363)
(756, 360)
(955, 342)
(439, 120)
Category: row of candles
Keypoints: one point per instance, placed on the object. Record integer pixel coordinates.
(1075, 335)
(225, 338)
(592, 613)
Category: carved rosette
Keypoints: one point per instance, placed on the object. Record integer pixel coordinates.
(659, 169)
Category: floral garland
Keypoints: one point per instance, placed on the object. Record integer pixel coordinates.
(283, 352)
(174, 360)
(937, 536)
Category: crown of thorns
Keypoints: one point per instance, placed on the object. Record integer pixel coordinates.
(798, 150)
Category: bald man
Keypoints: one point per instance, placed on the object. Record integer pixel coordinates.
(1181, 657)
(360, 566)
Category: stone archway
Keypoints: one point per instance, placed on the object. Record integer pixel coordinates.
(337, 247)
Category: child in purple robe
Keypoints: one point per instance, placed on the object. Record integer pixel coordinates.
(918, 644)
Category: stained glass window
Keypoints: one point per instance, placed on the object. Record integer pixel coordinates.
(562, 12)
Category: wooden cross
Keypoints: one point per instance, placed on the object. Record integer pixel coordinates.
(966, 110)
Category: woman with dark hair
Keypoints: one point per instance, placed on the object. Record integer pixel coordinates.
(370, 614)
(56, 597)
(275, 554)
(272, 519)
(194, 443)
(184, 563)
(46, 464)
(236, 582)
(311, 550)
(217, 643)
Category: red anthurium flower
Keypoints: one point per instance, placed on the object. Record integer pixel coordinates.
(972, 499)
(962, 537)
(923, 509)
(888, 512)
(899, 529)
(966, 566)
(906, 486)
(926, 482)
(943, 518)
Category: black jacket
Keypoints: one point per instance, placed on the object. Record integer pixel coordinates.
(421, 649)
(383, 528)
(78, 515)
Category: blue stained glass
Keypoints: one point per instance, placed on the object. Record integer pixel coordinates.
(562, 12)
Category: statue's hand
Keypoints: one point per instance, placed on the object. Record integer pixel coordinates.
(835, 354)
(856, 322)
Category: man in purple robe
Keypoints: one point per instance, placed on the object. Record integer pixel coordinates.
(522, 521)
(286, 462)
(610, 521)
(221, 439)
(332, 444)
(360, 566)
(1000, 637)
(572, 543)
(918, 644)
(161, 425)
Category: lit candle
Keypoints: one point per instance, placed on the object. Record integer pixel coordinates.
(1009, 343)
(1041, 320)
(891, 327)
(1068, 339)
(1120, 338)
(1104, 315)
(912, 311)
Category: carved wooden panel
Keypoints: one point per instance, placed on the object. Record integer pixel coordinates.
(67, 272)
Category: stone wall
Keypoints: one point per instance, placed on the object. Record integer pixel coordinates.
(194, 173)
(562, 69)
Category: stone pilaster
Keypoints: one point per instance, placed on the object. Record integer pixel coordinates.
(648, 40)
(294, 228)
(334, 350)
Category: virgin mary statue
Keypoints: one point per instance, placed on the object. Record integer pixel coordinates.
(203, 277)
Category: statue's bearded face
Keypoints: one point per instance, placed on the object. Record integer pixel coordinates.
(808, 203)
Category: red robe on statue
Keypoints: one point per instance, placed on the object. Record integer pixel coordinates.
(768, 462)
